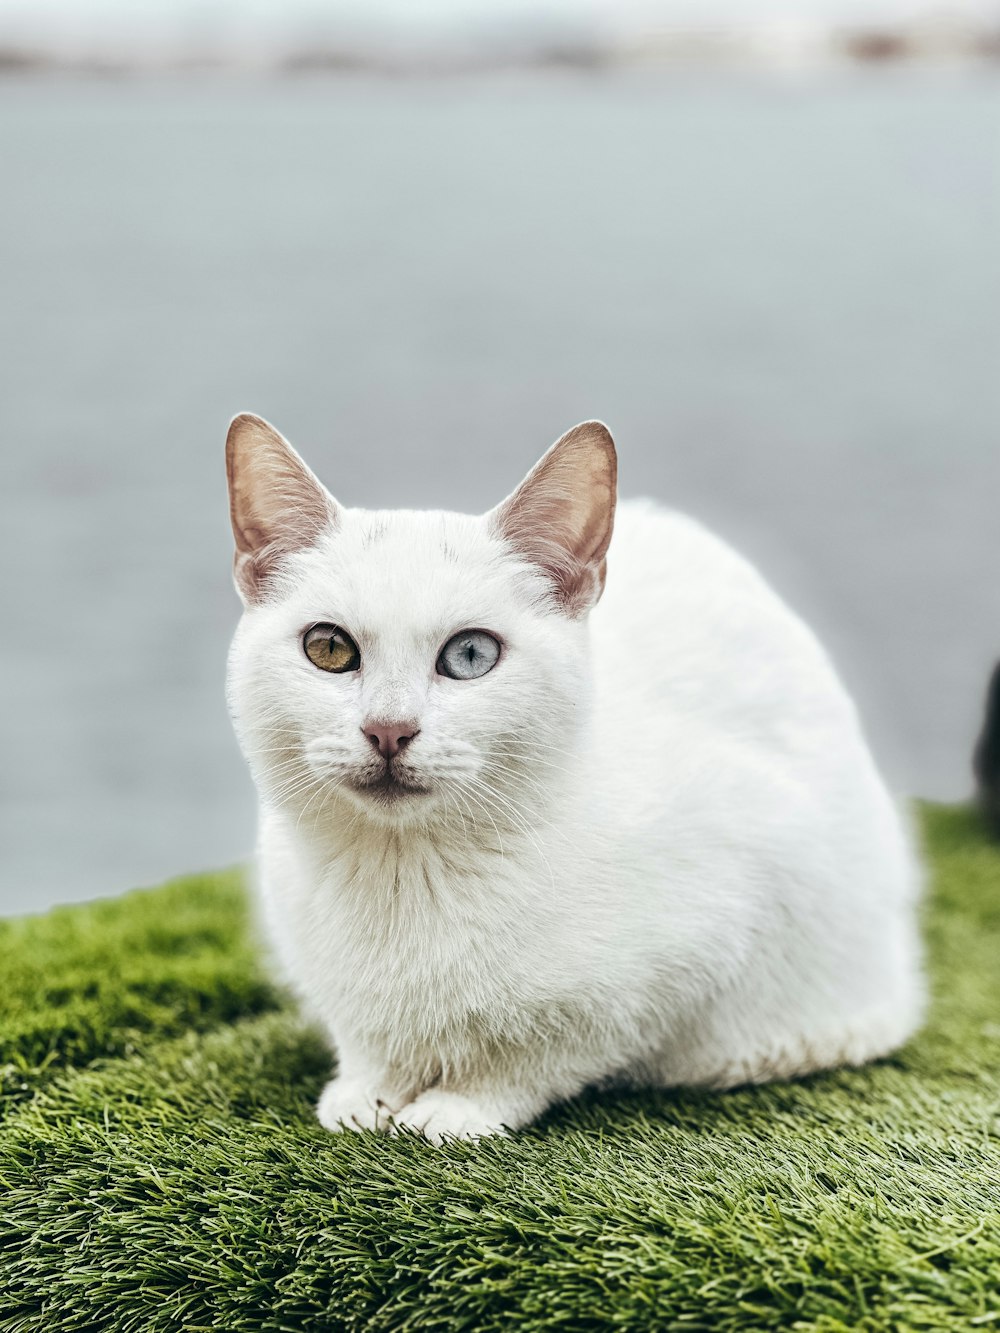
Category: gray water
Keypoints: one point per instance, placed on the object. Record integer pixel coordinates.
(782, 296)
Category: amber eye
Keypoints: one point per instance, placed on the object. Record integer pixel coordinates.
(329, 648)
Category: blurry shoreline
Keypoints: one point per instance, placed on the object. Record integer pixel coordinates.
(781, 290)
(784, 47)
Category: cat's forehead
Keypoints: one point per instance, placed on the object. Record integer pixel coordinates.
(433, 535)
(410, 568)
(399, 543)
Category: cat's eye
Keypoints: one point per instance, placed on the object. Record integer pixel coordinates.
(329, 648)
(469, 654)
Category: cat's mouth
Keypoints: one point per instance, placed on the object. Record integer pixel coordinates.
(389, 786)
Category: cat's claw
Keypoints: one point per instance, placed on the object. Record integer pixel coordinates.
(440, 1115)
(348, 1104)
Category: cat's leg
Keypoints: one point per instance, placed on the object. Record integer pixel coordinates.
(362, 1094)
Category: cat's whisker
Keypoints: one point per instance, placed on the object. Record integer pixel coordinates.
(446, 797)
(502, 806)
(291, 777)
(458, 797)
(301, 781)
(287, 795)
(319, 790)
(518, 809)
(464, 788)
(532, 814)
(493, 766)
(502, 803)
(329, 787)
(285, 750)
(527, 760)
(519, 827)
(289, 772)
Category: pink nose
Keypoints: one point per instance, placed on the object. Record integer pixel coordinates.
(389, 738)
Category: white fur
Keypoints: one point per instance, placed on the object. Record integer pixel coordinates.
(656, 849)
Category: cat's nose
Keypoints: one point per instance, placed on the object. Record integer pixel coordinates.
(390, 737)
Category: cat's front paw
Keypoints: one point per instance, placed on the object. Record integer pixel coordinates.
(438, 1115)
(346, 1103)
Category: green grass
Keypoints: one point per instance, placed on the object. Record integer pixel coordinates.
(160, 1167)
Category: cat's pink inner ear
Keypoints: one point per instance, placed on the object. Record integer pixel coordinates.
(561, 516)
(276, 504)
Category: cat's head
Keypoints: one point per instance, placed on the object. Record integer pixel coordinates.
(413, 666)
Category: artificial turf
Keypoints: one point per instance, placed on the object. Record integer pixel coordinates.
(161, 1169)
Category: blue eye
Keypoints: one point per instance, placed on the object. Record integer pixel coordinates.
(468, 655)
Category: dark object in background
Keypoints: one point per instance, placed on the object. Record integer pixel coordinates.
(986, 760)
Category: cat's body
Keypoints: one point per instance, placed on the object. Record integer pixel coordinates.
(662, 855)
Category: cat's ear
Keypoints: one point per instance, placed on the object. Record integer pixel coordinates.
(562, 514)
(276, 504)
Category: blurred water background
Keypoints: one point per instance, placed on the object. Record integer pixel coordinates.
(781, 294)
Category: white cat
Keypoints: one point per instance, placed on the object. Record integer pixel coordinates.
(513, 842)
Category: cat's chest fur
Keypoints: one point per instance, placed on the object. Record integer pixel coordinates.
(425, 951)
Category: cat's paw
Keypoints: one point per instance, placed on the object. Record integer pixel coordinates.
(438, 1115)
(349, 1104)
